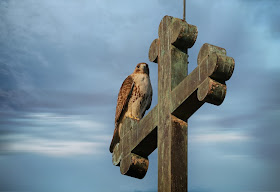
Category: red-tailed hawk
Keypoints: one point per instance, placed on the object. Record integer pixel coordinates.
(135, 97)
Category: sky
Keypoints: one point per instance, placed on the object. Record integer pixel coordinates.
(62, 64)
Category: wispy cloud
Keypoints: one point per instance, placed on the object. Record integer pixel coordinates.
(220, 137)
(53, 147)
(54, 135)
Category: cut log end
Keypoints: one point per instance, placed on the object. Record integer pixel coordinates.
(183, 35)
(208, 49)
(135, 166)
(153, 51)
(211, 91)
(116, 156)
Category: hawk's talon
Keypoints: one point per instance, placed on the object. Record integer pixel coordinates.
(137, 119)
(134, 118)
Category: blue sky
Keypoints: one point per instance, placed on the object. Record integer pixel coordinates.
(61, 66)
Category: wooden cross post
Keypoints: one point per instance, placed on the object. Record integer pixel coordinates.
(179, 96)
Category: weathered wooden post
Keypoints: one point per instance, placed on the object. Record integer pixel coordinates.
(179, 96)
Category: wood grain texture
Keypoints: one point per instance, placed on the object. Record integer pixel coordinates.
(153, 51)
(172, 132)
(164, 97)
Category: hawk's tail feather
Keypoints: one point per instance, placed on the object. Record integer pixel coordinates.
(115, 140)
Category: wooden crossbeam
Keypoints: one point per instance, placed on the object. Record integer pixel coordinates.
(206, 83)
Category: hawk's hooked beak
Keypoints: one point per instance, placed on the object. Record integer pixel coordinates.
(145, 67)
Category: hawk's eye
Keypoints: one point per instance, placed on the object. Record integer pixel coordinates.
(138, 66)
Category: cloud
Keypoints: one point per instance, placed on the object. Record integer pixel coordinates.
(219, 138)
(53, 135)
(265, 13)
(53, 147)
(51, 60)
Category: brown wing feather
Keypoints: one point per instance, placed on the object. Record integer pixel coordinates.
(123, 99)
(150, 100)
(149, 97)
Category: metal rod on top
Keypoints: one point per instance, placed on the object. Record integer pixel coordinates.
(184, 14)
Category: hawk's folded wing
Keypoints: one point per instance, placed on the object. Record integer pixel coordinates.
(123, 99)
